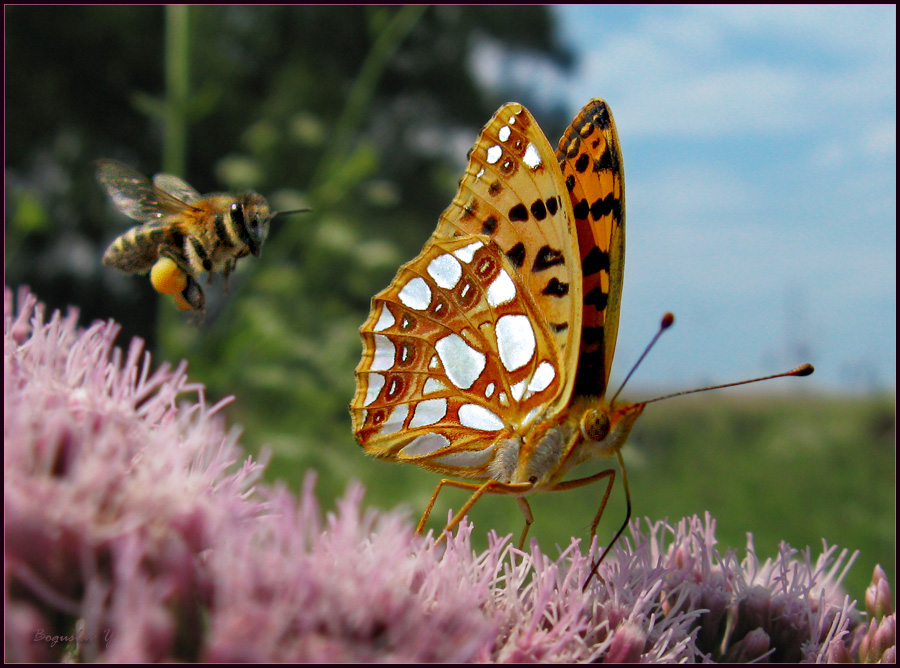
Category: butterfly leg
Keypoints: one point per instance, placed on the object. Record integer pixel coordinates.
(581, 482)
(489, 487)
(529, 518)
(453, 483)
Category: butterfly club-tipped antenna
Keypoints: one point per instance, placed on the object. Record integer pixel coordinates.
(667, 321)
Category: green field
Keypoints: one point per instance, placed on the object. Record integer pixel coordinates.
(796, 469)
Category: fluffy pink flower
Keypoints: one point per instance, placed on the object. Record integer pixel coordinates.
(137, 531)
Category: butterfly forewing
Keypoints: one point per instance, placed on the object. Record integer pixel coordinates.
(511, 193)
(591, 163)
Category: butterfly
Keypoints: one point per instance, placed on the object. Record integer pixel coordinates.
(488, 356)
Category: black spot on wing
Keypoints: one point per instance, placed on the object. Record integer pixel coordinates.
(596, 260)
(516, 255)
(519, 213)
(489, 226)
(547, 257)
(605, 206)
(581, 210)
(556, 288)
(596, 298)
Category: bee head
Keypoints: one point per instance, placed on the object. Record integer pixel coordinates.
(250, 219)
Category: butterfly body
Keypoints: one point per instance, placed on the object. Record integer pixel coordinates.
(487, 357)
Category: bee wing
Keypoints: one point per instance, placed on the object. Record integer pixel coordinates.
(134, 194)
(176, 187)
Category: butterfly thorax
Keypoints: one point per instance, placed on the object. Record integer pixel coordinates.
(591, 429)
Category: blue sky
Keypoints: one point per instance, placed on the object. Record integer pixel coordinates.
(760, 169)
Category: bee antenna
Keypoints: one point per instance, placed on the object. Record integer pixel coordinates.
(667, 321)
(287, 213)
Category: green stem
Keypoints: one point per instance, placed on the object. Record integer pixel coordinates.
(360, 97)
(177, 88)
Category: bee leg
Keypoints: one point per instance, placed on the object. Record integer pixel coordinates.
(193, 294)
(164, 250)
(196, 256)
(226, 272)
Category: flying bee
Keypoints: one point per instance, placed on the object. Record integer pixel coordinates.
(182, 233)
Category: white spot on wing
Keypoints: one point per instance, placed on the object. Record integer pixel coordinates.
(466, 253)
(385, 320)
(375, 382)
(543, 376)
(384, 354)
(532, 158)
(517, 390)
(493, 154)
(515, 341)
(433, 385)
(501, 290)
(394, 423)
(504, 132)
(445, 270)
(428, 412)
(416, 294)
(462, 363)
(531, 415)
(478, 417)
(489, 390)
(466, 458)
(424, 445)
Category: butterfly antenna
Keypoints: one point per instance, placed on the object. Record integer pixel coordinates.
(803, 370)
(667, 321)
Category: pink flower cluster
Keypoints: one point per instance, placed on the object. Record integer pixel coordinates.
(137, 531)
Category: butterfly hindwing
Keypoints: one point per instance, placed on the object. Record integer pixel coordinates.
(456, 358)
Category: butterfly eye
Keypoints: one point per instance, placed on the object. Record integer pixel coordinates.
(595, 425)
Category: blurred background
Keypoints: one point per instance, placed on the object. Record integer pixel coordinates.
(760, 153)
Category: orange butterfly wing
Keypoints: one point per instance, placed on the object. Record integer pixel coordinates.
(591, 162)
(478, 336)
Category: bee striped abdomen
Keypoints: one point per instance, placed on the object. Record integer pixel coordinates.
(137, 250)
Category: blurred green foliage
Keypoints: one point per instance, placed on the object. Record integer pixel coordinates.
(363, 114)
